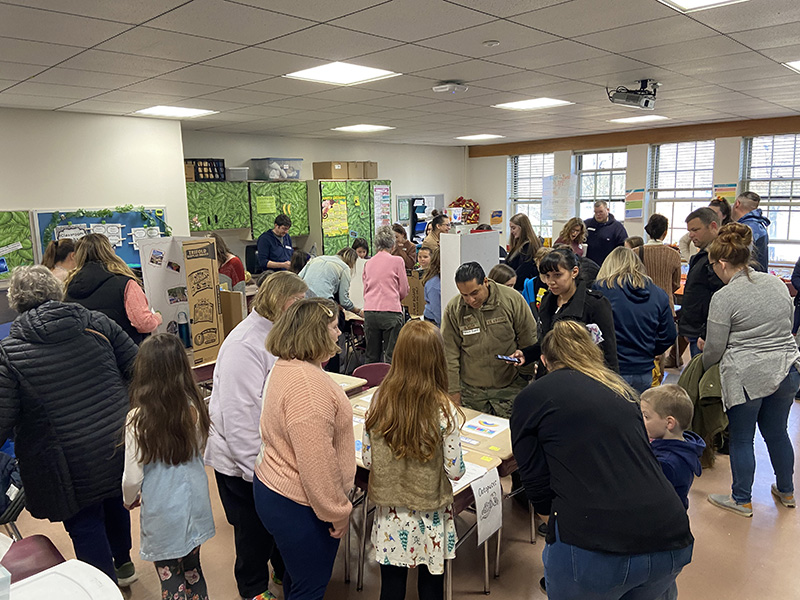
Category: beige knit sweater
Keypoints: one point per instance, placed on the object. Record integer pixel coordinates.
(663, 265)
(307, 444)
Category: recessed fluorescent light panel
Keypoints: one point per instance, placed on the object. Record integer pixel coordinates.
(175, 112)
(692, 5)
(533, 104)
(363, 128)
(480, 136)
(340, 73)
(642, 119)
(794, 65)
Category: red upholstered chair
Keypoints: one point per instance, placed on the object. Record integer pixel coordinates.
(373, 373)
(29, 556)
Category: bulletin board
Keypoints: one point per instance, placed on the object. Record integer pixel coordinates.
(16, 241)
(124, 225)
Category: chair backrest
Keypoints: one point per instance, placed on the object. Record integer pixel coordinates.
(372, 372)
(29, 556)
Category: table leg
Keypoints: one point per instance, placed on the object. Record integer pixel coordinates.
(448, 579)
(486, 567)
(362, 545)
(533, 523)
(497, 556)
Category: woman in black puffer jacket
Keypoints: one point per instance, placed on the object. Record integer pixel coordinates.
(63, 374)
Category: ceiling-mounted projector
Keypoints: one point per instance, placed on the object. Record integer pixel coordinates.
(450, 87)
(644, 97)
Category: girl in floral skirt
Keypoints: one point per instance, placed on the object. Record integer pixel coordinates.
(412, 447)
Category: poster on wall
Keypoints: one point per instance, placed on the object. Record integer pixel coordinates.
(634, 204)
(383, 205)
(334, 217)
(725, 191)
(559, 194)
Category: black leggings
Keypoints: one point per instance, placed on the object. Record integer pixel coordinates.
(393, 583)
(182, 578)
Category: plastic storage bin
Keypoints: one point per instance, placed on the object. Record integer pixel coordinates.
(236, 173)
(276, 169)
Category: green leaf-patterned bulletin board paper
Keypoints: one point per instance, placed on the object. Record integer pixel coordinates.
(16, 245)
(217, 205)
(290, 198)
(359, 210)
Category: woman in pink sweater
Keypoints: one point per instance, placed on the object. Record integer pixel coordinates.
(306, 466)
(385, 286)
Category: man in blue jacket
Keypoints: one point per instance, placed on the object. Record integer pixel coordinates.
(745, 210)
(275, 246)
(604, 233)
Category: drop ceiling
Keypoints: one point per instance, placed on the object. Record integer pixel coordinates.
(96, 56)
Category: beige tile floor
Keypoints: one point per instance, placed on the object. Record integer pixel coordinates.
(734, 558)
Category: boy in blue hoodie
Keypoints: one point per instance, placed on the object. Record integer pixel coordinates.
(667, 412)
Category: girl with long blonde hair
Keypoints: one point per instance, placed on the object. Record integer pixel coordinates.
(523, 245)
(102, 281)
(412, 446)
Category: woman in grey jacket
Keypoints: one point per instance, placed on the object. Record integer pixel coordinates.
(749, 333)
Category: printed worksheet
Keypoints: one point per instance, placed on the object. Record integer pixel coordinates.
(485, 426)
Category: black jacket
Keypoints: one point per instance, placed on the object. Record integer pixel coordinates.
(63, 372)
(584, 457)
(98, 289)
(602, 238)
(524, 266)
(586, 306)
(701, 283)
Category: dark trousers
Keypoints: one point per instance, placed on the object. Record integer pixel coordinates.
(305, 543)
(101, 535)
(254, 544)
(182, 578)
(381, 329)
(393, 583)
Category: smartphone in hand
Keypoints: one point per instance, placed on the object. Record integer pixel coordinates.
(507, 358)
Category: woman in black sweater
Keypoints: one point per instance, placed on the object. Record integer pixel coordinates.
(617, 524)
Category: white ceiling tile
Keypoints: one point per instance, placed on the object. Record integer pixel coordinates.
(12, 100)
(313, 9)
(18, 71)
(355, 108)
(144, 41)
(581, 17)
(631, 78)
(610, 63)
(122, 64)
(473, 94)
(399, 101)
(228, 21)
(125, 12)
(786, 34)
(103, 108)
(546, 55)
(444, 106)
(669, 30)
(784, 53)
(57, 91)
(701, 66)
(407, 58)
(398, 113)
(516, 81)
(207, 104)
(56, 28)
(288, 86)
(405, 84)
(138, 98)
(60, 76)
(268, 62)
(35, 53)
(243, 96)
(304, 103)
(411, 20)
(504, 8)
(469, 70)
(750, 15)
(469, 42)
(689, 50)
(349, 94)
(205, 75)
(788, 82)
(750, 74)
(330, 43)
(172, 88)
(263, 111)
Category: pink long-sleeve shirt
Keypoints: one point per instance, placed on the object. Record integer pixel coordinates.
(138, 309)
(385, 283)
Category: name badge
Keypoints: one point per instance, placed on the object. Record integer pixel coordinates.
(288, 247)
(471, 331)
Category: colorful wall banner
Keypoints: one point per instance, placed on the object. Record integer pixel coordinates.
(725, 191)
(634, 204)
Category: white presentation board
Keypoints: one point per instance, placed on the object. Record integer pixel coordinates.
(458, 248)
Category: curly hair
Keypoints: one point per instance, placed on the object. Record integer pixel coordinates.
(31, 287)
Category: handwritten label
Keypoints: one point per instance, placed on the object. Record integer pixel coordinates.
(10, 248)
(488, 504)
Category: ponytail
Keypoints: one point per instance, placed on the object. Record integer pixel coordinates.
(57, 251)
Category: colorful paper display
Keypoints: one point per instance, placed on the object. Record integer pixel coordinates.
(634, 204)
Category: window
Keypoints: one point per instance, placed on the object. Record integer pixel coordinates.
(602, 177)
(772, 170)
(525, 174)
(680, 179)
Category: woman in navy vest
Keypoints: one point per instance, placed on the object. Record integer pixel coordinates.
(103, 282)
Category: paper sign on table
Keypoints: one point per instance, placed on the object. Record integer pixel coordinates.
(485, 426)
(472, 473)
(488, 504)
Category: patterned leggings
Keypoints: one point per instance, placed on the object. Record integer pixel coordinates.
(182, 578)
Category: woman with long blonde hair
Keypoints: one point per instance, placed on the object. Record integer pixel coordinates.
(523, 245)
(412, 446)
(573, 234)
(102, 281)
(643, 321)
(584, 458)
(432, 282)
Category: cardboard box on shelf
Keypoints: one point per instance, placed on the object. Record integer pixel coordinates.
(188, 171)
(415, 301)
(330, 170)
(370, 170)
(355, 170)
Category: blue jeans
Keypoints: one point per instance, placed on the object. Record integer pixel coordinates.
(771, 414)
(641, 381)
(305, 543)
(572, 573)
(693, 349)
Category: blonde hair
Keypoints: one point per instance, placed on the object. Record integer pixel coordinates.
(301, 332)
(671, 400)
(95, 247)
(622, 267)
(408, 408)
(527, 234)
(569, 226)
(568, 345)
(435, 267)
(349, 256)
(275, 291)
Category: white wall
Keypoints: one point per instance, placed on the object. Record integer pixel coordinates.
(486, 184)
(70, 160)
